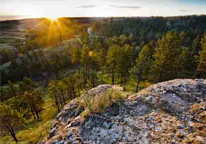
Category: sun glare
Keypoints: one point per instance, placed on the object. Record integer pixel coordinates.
(53, 18)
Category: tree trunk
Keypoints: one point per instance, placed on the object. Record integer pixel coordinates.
(124, 81)
(195, 75)
(12, 132)
(60, 100)
(138, 82)
(79, 90)
(14, 136)
(73, 92)
(1, 98)
(36, 112)
(79, 70)
(112, 77)
(30, 108)
(47, 81)
(63, 98)
(160, 77)
(57, 104)
(85, 76)
(121, 81)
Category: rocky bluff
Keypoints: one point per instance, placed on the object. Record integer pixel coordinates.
(167, 112)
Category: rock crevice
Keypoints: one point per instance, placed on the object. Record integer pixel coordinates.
(167, 112)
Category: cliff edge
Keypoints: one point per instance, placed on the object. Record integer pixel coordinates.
(167, 112)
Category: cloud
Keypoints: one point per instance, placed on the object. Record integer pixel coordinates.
(184, 10)
(87, 6)
(126, 7)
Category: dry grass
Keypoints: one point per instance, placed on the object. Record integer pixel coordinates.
(98, 103)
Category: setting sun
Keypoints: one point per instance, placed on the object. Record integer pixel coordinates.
(53, 18)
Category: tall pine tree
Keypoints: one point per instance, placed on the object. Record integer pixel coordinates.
(143, 64)
(167, 55)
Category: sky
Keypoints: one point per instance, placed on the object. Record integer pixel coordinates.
(100, 8)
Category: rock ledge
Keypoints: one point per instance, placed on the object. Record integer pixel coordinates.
(167, 112)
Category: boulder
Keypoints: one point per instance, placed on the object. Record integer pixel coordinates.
(167, 112)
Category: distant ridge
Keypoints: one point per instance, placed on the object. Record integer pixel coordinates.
(13, 17)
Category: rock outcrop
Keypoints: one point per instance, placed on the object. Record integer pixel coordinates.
(167, 112)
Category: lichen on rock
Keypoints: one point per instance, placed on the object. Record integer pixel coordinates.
(167, 112)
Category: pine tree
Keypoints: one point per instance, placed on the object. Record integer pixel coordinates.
(123, 40)
(180, 66)
(79, 82)
(34, 102)
(112, 60)
(26, 85)
(54, 93)
(12, 89)
(101, 57)
(94, 67)
(76, 56)
(85, 62)
(56, 64)
(3, 94)
(57, 90)
(201, 69)
(131, 38)
(124, 62)
(167, 55)
(10, 120)
(143, 63)
(71, 83)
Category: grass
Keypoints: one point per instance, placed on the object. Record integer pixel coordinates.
(129, 86)
(99, 103)
(103, 78)
(35, 131)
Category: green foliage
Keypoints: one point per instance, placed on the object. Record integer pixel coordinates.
(101, 58)
(62, 91)
(35, 131)
(34, 102)
(143, 64)
(124, 62)
(112, 60)
(10, 120)
(201, 70)
(26, 85)
(19, 104)
(132, 52)
(12, 90)
(53, 91)
(3, 94)
(167, 56)
(76, 55)
(6, 55)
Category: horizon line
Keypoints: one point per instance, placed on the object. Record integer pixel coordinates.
(24, 17)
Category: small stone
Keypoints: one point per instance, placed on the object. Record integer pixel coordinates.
(52, 132)
(180, 127)
(107, 125)
(200, 139)
(158, 129)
